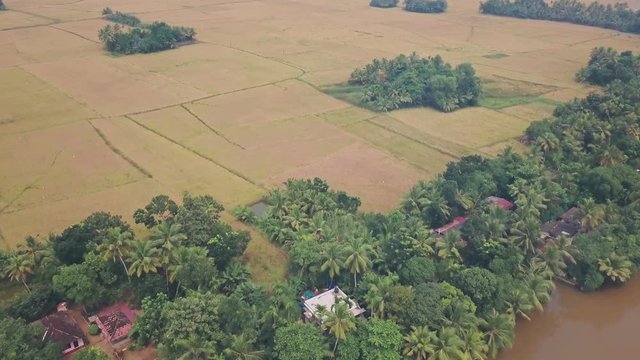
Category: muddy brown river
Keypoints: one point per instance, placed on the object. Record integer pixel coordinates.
(598, 326)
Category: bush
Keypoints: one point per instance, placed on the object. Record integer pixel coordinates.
(120, 18)
(94, 330)
(244, 214)
(384, 3)
(426, 6)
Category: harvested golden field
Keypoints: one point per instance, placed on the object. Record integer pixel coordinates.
(244, 108)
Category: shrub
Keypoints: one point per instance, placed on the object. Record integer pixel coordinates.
(120, 18)
(94, 330)
(244, 214)
(384, 3)
(426, 6)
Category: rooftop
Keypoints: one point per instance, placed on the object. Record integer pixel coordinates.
(455, 224)
(116, 321)
(501, 202)
(61, 328)
(555, 228)
(326, 300)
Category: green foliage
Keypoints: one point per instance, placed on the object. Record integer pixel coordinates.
(94, 330)
(161, 208)
(606, 65)
(384, 3)
(426, 6)
(427, 308)
(299, 342)
(22, 341)
(150, 324)
(407, 81)
(91, 353)
(120, 18)
(244, 214)
(479, 284)
(380, 340)
(32, 305)
(418, 270)
(618, 17)
(140, 37)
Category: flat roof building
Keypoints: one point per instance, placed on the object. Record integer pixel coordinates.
(326, 300)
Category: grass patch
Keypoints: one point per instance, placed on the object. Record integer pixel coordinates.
(495, 56)
(497, 103)
(353, 94)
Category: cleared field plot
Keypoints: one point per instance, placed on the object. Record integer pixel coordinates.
(14, 20)
(376, 177)
(45, 43)
(111, 87)
(28, 103)
(214, 69)
(64, 161)
(473, 127)
(530, 112)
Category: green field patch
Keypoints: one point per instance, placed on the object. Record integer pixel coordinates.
(500, 92)
(353, 94)
(497, 103)
(495, 56)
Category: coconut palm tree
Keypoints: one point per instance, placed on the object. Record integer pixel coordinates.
(242, 349)
(234, 275)
(195, 348)
(474, 348)
(447, 345)
(617, 268)
(418, 344)
(526, 234)
(277, 199)
(498, 332)
(547, 142)
(115, 245)
(553, 259)
(180, 258)
(611, 155)
(593, 214)
(380, 291)
(144, 257)
(449, 245)
(167, 237)
(333, 259)
(339, 322)
(358, 258)
(459, 318)
(18, 268)
(520, 303)
(539, 288)
(38, 252)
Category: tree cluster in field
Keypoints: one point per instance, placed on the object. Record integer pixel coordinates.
(423, 6)
(455, 295)
(426, 6)
(407, 81)
(135, 36)
(618, 17)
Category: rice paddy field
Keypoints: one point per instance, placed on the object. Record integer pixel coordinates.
(249, 104)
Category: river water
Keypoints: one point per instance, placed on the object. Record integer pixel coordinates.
(604, 325)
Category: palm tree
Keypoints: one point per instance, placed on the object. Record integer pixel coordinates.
(539, 288)
(195, 348)
(520, 302)
(448, 246)
(547, 142)
(593, 214)
(333, 263)
(144, 258)
(475, 348)
(380, 291)
(498, 332)
(419, 343)
(18, 268)
(460, 318)
(181, 257)
(447, 345)
(38, 252)
(114, 245)
(358, 259)
(526, 234)
(242, 349)
(234, 275)
(167, 237)
(339, 322)
(553, 259)
(611, 155)
(617, 268)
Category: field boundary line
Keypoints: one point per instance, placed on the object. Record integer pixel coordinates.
(197, 153)
(211, 128)
(72, 33)
(430, 146)
(118, 152)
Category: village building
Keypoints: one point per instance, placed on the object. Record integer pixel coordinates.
(115, 322)
(326, 300)
(61, 328)
(460, 220)
(500, 202)
(567, 224)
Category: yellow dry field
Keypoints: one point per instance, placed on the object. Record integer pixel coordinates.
(242, 109)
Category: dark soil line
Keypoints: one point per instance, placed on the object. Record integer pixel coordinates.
(120, 153)
(197, 153)
(211, 128)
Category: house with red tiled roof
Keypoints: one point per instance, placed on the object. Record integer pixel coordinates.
(115, 321)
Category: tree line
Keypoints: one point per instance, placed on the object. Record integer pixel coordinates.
(423, 6)
(135, 36)
(406, 81)
(618, 16)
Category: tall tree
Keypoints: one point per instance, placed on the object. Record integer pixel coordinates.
(18, 268)
(358, 258)
(144, 258)
(498, 331)
(333, 255)
(419, 343)
(115, 245)
(339, 321)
